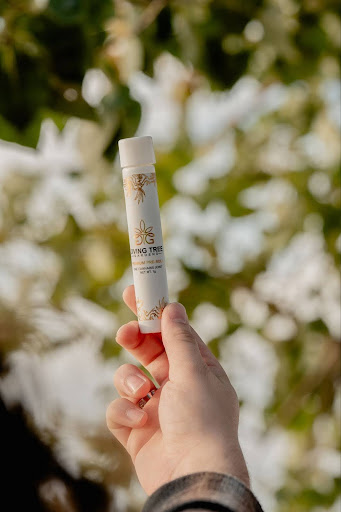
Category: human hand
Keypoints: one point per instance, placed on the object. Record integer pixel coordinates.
(191, 422)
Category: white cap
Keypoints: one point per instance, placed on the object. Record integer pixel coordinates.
(136, 151)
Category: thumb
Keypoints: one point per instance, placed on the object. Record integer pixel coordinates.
(180, 344)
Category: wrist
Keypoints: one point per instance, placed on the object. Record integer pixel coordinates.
(217, 461)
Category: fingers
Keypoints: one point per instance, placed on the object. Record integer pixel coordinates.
(129, 298)
(148, 349)
(147, 353)
(132, 383)
(122, 415)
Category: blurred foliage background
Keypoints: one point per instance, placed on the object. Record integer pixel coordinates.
(243, 102)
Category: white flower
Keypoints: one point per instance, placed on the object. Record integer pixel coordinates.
(27, 272)
(194, 177)
(242, 239)
(302, 280)
(267, 452)
(209, 321)
(95, 86)
(269, 196)
(251, 364)
(92, 316)
(66, 392)
(161, 111)
(252, 311)
(209, 114)
(57, 192)
(280, 328)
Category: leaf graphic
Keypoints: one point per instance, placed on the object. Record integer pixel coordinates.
(153, 313)
(137, 182)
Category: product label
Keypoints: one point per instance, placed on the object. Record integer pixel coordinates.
(146, 244)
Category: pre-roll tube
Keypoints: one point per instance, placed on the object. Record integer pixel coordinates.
(145, 235)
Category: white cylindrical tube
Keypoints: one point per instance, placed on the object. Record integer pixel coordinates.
(145, 235)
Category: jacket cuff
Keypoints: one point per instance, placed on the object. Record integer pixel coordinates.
(202, 490)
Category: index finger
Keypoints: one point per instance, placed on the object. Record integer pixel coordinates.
(129, 298)
(148, 349)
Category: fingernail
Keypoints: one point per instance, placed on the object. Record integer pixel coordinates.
(135, 415)
(134, 383)
(177, 313)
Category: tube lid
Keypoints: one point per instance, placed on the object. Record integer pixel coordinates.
(136, 151)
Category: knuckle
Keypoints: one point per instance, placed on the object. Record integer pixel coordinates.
(127, 367)
(123, 370)
(183, 333)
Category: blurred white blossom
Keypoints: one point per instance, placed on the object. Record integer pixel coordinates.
(278, 155)
(28, 273)
(280, 327)
(217, 162)
(267, 451)
(252, 311)
(302, 280)
(209, 113)
(209, 321)
(273, 195)
(56, 391)
(95, 86)
(57, 192)
(251, 364)
(161, 109)
(242, 239)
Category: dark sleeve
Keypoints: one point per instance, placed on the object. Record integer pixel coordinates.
(203, 492)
